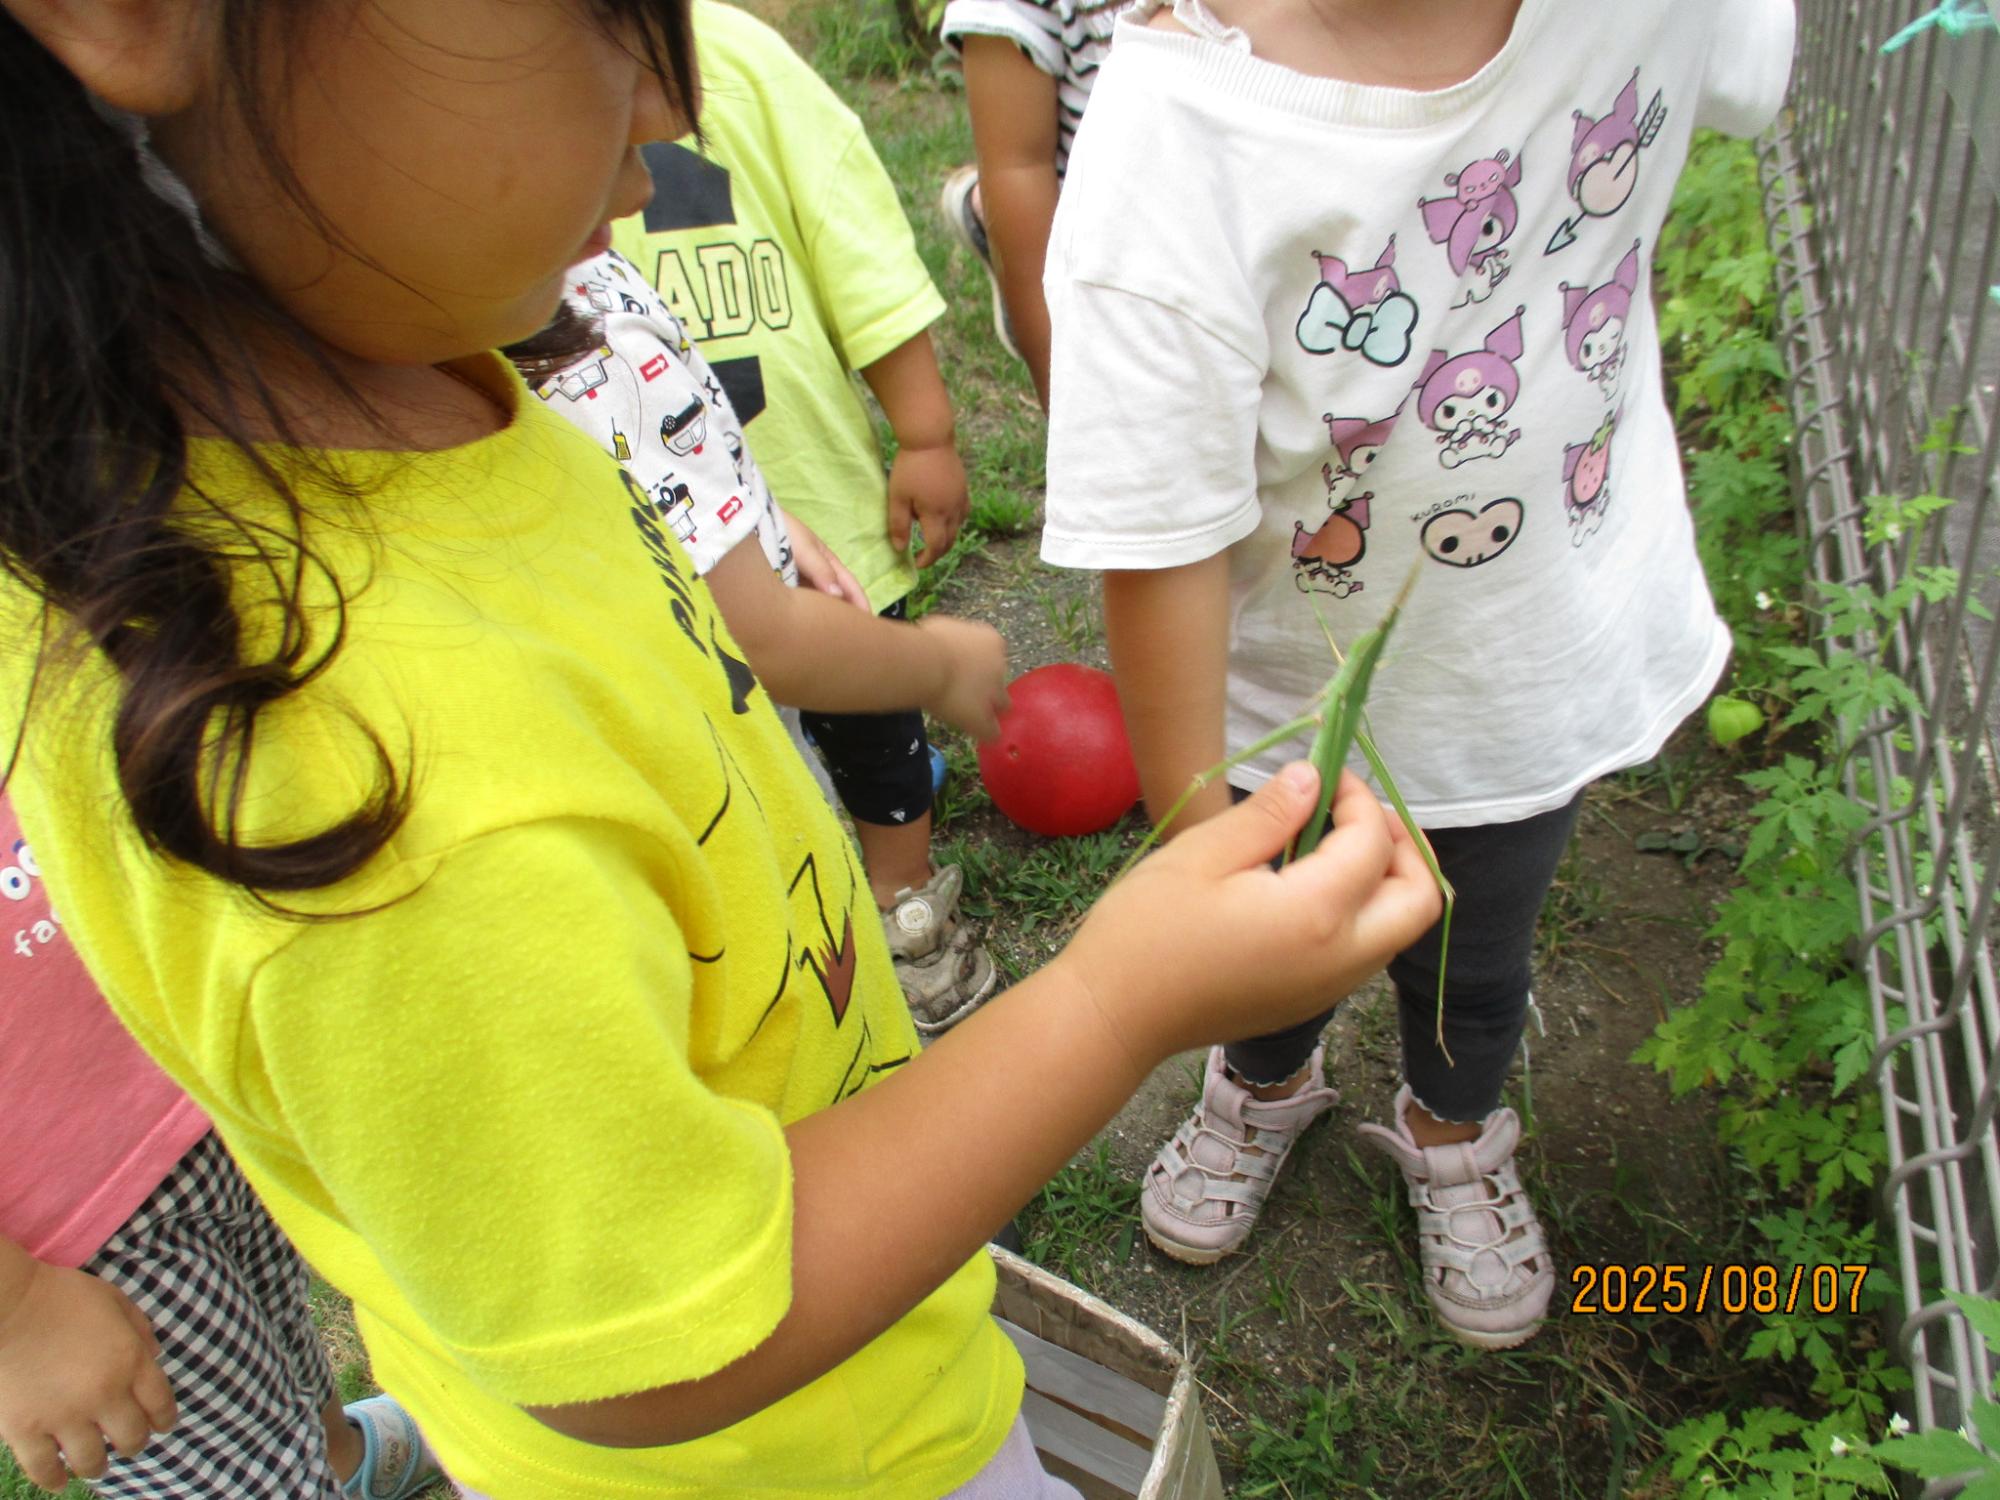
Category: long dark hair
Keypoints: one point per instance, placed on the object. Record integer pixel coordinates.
(107, 300)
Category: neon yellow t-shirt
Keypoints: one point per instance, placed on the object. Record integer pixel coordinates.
(782, 247)
(528, 1116)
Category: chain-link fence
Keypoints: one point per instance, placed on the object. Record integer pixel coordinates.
(1884, 192)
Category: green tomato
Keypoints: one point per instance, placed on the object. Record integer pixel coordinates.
(1730, 719)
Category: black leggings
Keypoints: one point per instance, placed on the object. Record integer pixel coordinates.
(1502, 872)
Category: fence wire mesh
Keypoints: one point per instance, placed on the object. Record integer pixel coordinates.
(1883, 188)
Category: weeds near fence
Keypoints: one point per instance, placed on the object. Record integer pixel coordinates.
(1781, 1029)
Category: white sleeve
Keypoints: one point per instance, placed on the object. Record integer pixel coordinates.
(1749, 66)
(1035, 29)
(1152, 433)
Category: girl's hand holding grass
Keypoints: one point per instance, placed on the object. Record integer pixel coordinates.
(79, 1371)
(1203, 942)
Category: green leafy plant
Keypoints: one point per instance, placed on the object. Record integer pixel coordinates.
(1940, 1453)
(1781, 1034)
(1769, 1453)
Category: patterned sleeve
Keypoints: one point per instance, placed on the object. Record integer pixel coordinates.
(651, 400)
(1034, 27)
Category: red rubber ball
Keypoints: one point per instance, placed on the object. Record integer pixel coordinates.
(1062, 765)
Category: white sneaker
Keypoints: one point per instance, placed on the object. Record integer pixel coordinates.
(962, 219)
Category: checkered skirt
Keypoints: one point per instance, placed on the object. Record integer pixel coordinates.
(226, 1295)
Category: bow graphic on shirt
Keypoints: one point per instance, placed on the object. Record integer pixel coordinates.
(1380, 333)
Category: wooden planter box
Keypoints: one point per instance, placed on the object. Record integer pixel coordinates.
(1112, 1406)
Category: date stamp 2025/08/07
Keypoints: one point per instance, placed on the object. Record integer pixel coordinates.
(1616, 1289)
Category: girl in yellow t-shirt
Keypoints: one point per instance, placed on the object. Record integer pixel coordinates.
(406, 795)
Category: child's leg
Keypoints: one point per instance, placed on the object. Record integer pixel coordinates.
(1502, 872)
(1015, 1473)
(897, 856)
(226, 1295)
(881, 767)
(1487, 1270)
(1203, 1191)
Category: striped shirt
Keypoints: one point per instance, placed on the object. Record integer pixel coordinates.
(1066, 39)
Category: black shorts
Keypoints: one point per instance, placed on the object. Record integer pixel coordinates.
(880, 763)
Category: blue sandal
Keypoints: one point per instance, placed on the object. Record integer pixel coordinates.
(395, 1462)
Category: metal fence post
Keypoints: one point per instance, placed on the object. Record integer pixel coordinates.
(1883, 190)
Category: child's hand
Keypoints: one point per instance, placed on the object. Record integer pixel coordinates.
(972, 689)
(820, 567)
(1203, 942)
(79, 1372)
(929, 485)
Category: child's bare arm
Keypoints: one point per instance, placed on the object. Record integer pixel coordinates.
(1168, 632)
(926, 481)
(78, 1371)
(820, 567)
(812, 650)
(1014, 137)
(887, 1203)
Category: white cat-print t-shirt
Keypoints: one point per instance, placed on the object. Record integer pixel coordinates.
(1357, 334)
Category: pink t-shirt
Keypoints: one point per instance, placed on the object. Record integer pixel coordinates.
(89, 1125)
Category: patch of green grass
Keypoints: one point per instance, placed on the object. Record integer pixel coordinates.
(1226, 1360)
(14, 1484)
(1003, 472)
(1319, 1452)
(1073, 618)
(922, 599)
(964, 792)
(1049, 882)
(860, 39)
(1089, 1210)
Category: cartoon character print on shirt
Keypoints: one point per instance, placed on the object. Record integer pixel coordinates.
(1587, 480)
(1356, 443)
(1475, 221)
(657, 408)
(581, 381)
(1604, 159)
(738, 456)
(827, 955)
(1465, 398)
(1594, 323)
(1461, 536)
(1365, 311)
(1323, 559)
(605, 298)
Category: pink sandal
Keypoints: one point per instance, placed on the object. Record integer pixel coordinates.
(1487, 1268)
(1203, 1192)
